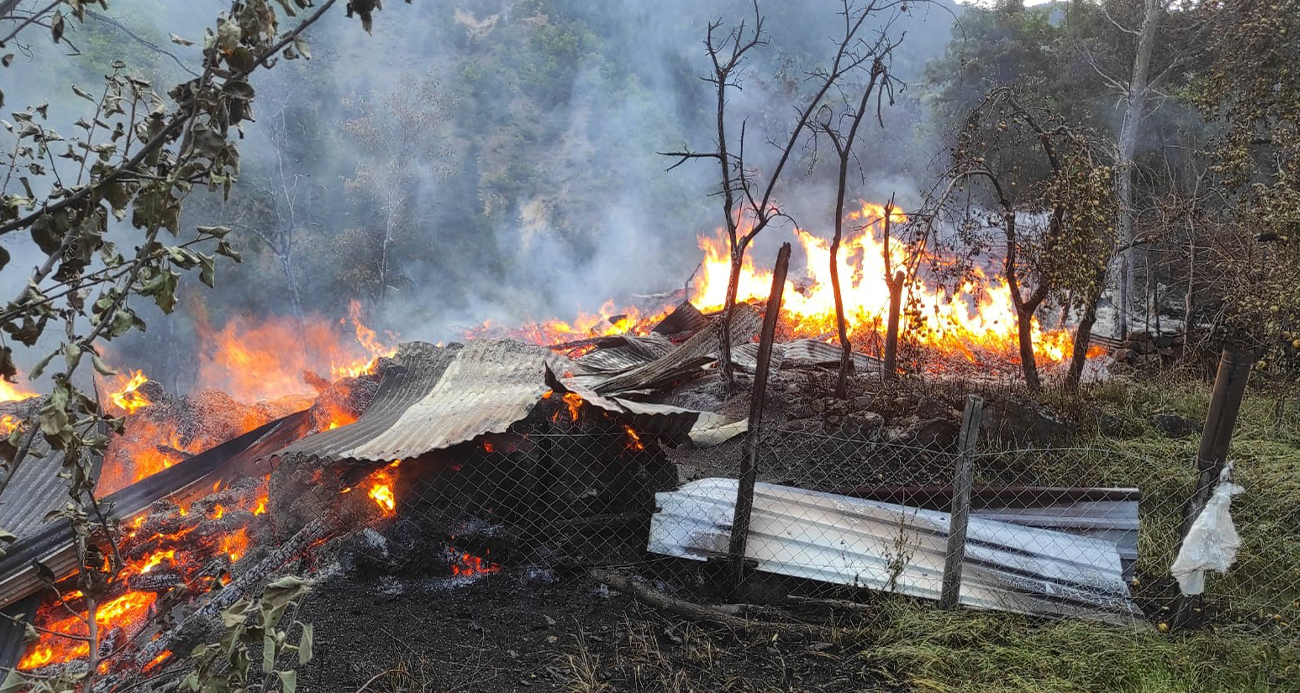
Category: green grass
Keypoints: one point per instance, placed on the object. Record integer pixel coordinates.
(1252, 643)
(925, 649)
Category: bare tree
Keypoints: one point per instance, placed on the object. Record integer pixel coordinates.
(748, 206)
(830, 122)
(1136, 91)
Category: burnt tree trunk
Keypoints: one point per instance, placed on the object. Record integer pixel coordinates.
(728, 310)
(1025, 329)
(890, 366)
(1082, 335)
(841, 322)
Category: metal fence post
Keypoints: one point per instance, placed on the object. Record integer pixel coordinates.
(961, 493)
(1225, 404)
(749, 463)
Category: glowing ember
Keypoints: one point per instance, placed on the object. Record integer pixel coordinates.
(156, 559)
(610, 320)
(466, 564)
(234, 545)
(127, 397)
(124, 611)
(633, 440)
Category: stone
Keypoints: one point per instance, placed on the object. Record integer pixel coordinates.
(1024, 421)
(1173, 425)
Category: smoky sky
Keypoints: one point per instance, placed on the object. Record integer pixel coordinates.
(599, 216)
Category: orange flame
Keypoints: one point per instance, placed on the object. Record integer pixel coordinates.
(574, 401)
(127, 397)
(633, 440)
(8, 424)
(10, 392)
(380, 490)
(979, 315)
(122, 611)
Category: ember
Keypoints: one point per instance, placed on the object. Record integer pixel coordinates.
(633, 440)
(466, 564)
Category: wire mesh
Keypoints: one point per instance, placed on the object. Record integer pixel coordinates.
(855, 511)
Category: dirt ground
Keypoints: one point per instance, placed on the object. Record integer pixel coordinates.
(534, 631)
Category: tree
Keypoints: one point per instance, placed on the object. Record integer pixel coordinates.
(748, 206)
(407, 148)
(1053, 231)
(831, 122)
(135, 159)
(1255, 252)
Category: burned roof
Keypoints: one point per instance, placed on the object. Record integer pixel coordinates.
(438, 397)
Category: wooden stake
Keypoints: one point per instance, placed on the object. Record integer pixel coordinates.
(749, 463)
(1225, 404)
(962, 483)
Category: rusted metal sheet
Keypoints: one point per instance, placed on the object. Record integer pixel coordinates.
(439, 397)
(884, 546)
(687, 358)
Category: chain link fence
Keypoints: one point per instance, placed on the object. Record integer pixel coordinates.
(851, 513)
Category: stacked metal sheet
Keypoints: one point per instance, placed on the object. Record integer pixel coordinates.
(884, 546)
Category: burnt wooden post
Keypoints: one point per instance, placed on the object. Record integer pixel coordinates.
(961, 492)
(749, 462)
(1225, 404)
(891, 328)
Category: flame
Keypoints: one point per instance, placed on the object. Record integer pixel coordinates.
(610, 320)
(978, 316)
(127, 397)
(633, 440)
(234, 545)
(8, 424)
(260, 508)
(155, 559)
(145, 448)
(574, 402)
(254, 360)
(380, 489)
(10, 392)
(123, 611)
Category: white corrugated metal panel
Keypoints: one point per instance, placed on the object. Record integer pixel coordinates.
(890, 547)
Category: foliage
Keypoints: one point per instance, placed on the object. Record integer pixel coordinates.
(1257, 157)
(250, 623)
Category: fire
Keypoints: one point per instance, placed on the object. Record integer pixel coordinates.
(574, 402)
(127, 397)
(10, 392)
(979, 315)
(633, 440)
(124, 611)
(380, 489)
(254, 360)
(235, 544)
(466, 564)
(145, 448)
(156, 559)
(260, 508)
(8, 424)
(610, 320)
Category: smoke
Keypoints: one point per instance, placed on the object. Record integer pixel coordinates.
(513, 169)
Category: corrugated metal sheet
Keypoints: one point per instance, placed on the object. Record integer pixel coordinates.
(445, 397)
(623, 353)
(802, 353)
(684, 318)
(34, 490)
(688, 357)
(1103, 513)
(51, 543)
(890, 547)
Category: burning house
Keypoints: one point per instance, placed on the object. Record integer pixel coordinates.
(457, 461)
